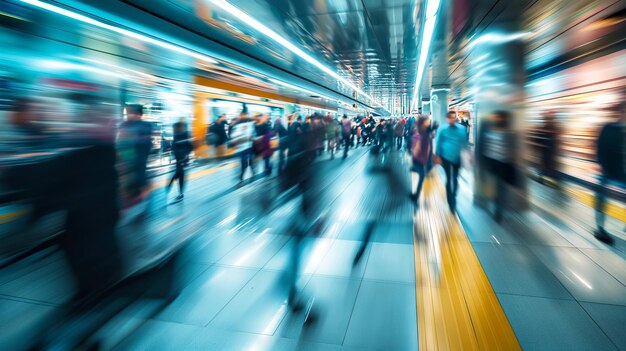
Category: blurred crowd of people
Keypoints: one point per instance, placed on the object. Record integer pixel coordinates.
(104, 171)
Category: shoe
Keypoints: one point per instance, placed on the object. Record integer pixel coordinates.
(180, 197)
(603, 236)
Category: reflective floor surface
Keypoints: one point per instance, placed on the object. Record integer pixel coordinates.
(428, 279)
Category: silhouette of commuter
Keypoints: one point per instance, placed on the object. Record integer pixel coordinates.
(421, 153)
(83, 182)
(612, 158)
(241, 139)
(451, 141)
(182, 148)
(135, 143)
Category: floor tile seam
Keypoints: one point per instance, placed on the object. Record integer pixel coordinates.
(33, 301)
(598, 264)
(391, 282)
(597, 324)
(275, 254)
(30, 301)
(575, 226)
(232, 298)
(550, 268)
(334, 277)
(570, 292)
(554, 228)
(536, 296)
(206, 269)
(534, 253)
(356, 298)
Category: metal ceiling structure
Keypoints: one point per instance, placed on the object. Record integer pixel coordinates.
(369, 48)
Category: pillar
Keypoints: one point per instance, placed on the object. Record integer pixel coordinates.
(424, 93)
(497, 78)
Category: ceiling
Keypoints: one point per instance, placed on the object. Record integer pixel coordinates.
(371, 43)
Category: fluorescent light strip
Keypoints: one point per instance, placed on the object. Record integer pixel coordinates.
(74, 66)
(300, 89)
(432, 11)
(119, 30)
(253, 23)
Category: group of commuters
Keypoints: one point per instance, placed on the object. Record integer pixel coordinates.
(252, 137)
(450, 141)
(135, 143)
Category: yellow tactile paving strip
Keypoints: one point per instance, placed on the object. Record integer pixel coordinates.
(457, 308)
(612, 209)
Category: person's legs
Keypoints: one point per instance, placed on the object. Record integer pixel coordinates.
(455, 182)
(281, 159)
(600, 205)
(251, 159)
(181, 177)
(346, 145)
(244, 163)
(268, 165)
(421, 171)
(447, 168)
(174, 177)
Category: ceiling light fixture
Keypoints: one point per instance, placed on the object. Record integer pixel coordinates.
(287, 85)
(253, 23)
(141, 37)
(432, 11)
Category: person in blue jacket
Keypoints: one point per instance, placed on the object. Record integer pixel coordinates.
(451, 141)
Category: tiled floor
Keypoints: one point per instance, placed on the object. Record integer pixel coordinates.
(559, 288)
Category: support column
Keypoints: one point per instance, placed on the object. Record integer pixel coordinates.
(497, 77)
(424, 94)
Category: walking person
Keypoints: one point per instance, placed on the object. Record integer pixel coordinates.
(408, 132)
(262, 144)
(421, 152)
(181, 147)
(398, 131)
(283, 140)
(219, 137)
(332, 134)
(346, 132)
(451, 141)
(241, 139)
(135, 140)
(611, 157)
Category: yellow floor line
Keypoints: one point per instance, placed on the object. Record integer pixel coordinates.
(612, 209)
(457, 308)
